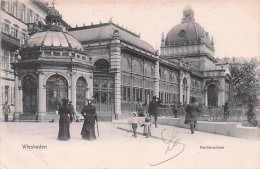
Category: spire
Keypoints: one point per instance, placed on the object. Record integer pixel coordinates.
(212, 41)
(188, 14)
(163, 40)
(110, 20)
(163, 37)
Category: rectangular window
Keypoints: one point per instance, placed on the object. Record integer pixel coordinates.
(141, 95)
(134, 96)
(29, 16)
(3, 95)
(12, 57)
(124, 93)
(128, 94)
(6, 60)
(6, 94)
(37, 19)
(7, 28)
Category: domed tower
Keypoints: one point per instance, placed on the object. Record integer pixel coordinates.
(190, 41)
(53, 66)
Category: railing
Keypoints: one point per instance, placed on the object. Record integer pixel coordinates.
(208, 114)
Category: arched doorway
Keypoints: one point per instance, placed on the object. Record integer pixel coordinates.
(29, 87)
(212, 93)
(185, 91)
(81, 93)
(56, 90)
(103, 90)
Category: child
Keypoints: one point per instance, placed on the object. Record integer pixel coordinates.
(134, 123)
(147, 127)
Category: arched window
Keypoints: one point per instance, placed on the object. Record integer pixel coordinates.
(137, 68)
(81, 93)
(29, 87)
(101, 65)
(125, 64)
(56, 90)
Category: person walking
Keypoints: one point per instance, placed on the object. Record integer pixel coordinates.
(153, 109)
(139, 109)
(226, 112)
(65, 119)
(192, 110)
(90, 117)
(6, 111)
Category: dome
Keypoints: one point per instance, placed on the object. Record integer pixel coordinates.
(187, 31)
(53, 39)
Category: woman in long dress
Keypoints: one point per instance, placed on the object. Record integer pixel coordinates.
(90, 117)
(65, 119)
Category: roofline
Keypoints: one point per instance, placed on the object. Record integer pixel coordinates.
(103, 24)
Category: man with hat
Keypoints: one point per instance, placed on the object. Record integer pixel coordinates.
(90, 117)
(153, 109)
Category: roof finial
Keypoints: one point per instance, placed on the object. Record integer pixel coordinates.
(162, 37)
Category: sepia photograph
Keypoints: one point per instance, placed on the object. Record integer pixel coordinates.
(106, 84)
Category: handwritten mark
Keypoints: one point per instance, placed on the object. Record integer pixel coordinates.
(173, 142)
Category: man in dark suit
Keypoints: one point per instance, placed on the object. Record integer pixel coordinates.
(153, 109)
(192, 110)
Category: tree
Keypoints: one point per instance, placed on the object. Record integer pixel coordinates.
(245, 86)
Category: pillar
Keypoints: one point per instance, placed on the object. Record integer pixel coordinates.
(41, 98)
(17, 99)
(181, 87)
(157, 78)
(115, 67)
(73, 89)
(222, 92)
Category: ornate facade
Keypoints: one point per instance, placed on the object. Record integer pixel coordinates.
(115, 67)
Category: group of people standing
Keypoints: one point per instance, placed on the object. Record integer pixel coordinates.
(66, 112)
(152, 112)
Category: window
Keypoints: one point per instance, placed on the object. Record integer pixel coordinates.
(128, 94)
(15, 8)
(29, 16)
(22, 39)
(23, 13)
(6, 94)
(14, 32)
(37, 19)
(12, 57)
(124, 93)
(3, 93)
(6, 28)
(182, 33)
(5, 59)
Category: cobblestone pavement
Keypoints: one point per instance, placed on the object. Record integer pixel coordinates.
(116, 148)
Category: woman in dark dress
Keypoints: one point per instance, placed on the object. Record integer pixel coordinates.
(90, 117)
(65, 119)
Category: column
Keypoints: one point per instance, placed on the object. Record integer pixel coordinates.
(157, 78)
(17, 99)
(222, 92)
(73, 89)
(206, 98)
(41, 98)
(115, 67)
(181, 87)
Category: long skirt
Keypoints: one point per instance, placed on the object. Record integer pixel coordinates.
(64, 128)
(88, 129)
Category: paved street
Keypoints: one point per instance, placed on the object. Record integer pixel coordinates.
(116, 148)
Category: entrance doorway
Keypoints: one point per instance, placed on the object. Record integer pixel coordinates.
(56, 90)
(103, 90)
(29, 87)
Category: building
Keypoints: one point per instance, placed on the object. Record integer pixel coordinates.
(19, 18)
(115, 67)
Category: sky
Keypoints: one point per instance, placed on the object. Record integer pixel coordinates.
(234, 24)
